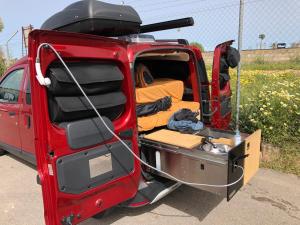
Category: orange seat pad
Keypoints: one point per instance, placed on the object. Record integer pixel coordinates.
(175, 138)
(160, 88)
(161, 118)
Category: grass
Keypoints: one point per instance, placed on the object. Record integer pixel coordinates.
(288, 160)
(270, 101)
(260, 64)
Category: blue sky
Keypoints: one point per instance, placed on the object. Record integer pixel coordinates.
(215, 20)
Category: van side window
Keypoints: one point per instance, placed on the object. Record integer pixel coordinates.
(28, 93)
(10, 87)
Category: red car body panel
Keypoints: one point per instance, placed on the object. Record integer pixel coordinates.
(218, 120)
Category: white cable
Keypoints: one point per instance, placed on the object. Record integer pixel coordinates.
(119, 139)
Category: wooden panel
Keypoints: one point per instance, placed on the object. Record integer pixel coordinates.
(188, 141)
(251, 164)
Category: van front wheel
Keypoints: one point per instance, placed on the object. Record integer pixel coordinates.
(2, 152)
(100, 215)
(103, 213)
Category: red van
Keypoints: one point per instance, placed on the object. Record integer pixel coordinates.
(83, 168)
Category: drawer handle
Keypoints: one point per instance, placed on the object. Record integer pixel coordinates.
(238, 158)
(11, 113)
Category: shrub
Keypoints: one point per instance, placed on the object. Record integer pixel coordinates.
(259, 60)
(271, 101)
(2, 66)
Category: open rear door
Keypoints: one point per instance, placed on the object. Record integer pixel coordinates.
(224, 57)
(83, 169)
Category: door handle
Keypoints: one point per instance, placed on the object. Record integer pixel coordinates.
(28, 122)
(11, 113)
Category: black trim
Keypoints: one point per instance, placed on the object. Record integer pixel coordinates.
(204, 91)
(29, 157)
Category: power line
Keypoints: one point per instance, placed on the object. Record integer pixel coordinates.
(160, 3)
(172, 6)
(206, 10)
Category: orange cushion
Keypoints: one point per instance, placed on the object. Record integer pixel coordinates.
(161, 118)
(160, 88)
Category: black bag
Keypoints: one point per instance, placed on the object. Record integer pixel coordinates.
(64, 109)
(233, 57)
(94, 78)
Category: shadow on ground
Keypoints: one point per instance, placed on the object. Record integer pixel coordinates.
(187, 202)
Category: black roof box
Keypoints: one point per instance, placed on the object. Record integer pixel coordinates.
(95, 17)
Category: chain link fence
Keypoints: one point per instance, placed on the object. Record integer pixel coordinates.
(268, 24)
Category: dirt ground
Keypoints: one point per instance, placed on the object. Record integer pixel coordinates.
(270, 198)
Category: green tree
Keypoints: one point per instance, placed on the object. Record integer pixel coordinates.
(261, 37)
(2, 61)
(198, 45)
(1, 25)
(2, 66)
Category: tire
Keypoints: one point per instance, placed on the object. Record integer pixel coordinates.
(2, 152)
(102, 214)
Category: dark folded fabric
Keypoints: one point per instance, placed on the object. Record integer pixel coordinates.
(184, 125)
(186, 114)
(162, 104)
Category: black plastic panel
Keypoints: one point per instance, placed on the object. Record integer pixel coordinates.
(88, 132)
(236, 157)
(74, 173)
(225, 105)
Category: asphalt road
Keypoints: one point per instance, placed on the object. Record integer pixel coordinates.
(270, 198)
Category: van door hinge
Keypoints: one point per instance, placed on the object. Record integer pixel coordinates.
(67, 220)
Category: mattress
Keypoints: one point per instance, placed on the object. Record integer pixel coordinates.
(160, 89)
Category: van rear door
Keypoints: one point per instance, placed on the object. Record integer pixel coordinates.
(224, 57)
(83, 169)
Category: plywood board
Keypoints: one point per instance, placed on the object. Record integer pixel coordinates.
(251, 164)
(187, 141)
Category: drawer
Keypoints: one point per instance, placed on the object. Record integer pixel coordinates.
(198, 166)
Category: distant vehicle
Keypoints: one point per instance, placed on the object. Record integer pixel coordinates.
(281, 45)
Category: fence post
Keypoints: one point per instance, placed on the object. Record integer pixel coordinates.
(238, 82)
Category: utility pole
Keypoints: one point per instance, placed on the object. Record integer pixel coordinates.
(7, 48)
(238, 82)
(25, 34)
